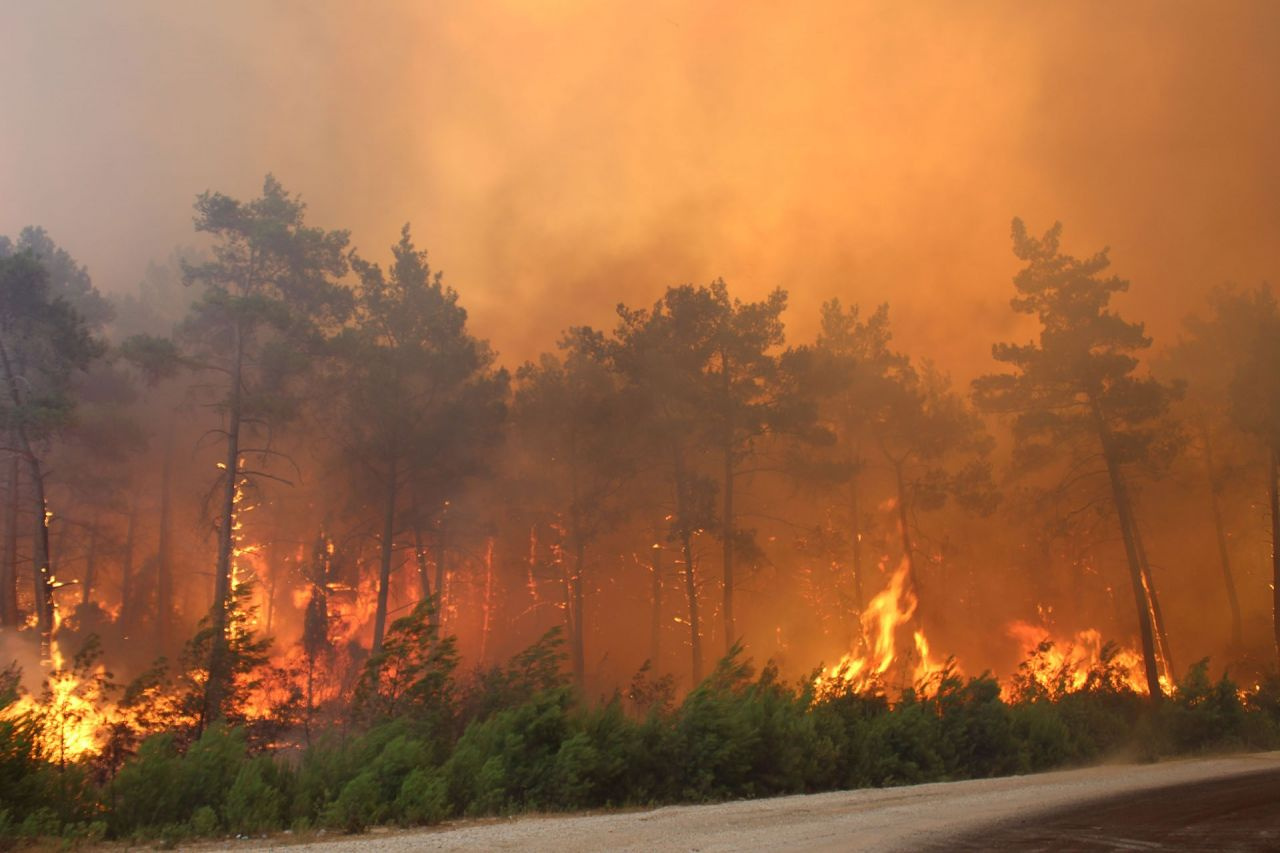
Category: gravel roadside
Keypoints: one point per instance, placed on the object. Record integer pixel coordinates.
(908, 818)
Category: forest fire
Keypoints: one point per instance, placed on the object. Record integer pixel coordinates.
(753, 425)
(71, 713)
(1065, 665)
(883, 663)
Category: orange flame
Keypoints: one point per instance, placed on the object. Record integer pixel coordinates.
(892, 608)
(1058, 665)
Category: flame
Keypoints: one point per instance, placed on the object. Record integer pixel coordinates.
(1059, 665)
(891, 609)
(71, 716)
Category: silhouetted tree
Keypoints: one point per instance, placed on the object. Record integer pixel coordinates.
(44, 346)
(575, 425)
(662, 354)
(1209, 358)
(1074, 392)
(269, 292)
(420, 398)
(1255, 406)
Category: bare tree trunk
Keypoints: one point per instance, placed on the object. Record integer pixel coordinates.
(164, 548)
(90, 563)
(855, 531)
(1157, 615)
(486, 625)
(730, 630)
(1120, 495)
(42, 574)
(442, 551)
(904, 526)
(576, 624)
(388, 543)
(655, 600)
(216, 686)
(420, 554)
(128, 593)
(1224, 552)
(690, 580)
(1273, 493)
(9, 557)
(40, 548)
(576, 612)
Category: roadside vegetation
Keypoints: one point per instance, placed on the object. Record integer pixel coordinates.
(428, 743)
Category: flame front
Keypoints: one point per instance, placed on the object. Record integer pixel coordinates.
(1058, 665)
(883, 618)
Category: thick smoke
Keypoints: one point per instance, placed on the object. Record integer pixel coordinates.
(556, 157)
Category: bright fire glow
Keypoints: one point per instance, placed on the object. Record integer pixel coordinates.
(893, 608)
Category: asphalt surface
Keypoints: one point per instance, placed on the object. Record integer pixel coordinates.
(1235, 813)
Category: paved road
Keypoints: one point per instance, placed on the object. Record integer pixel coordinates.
(1236, 813)
(1221, 804)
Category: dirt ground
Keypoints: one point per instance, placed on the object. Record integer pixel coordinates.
(1230, 803)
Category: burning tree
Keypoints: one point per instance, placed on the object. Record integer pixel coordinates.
(44, 345)
(1074, 392)
(848, 372)
(269, 294)
(419, 398)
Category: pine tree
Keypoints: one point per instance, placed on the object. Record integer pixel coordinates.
(1075, 392)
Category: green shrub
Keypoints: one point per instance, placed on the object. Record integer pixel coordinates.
(254, 803)
(423, 797)
(162, 786)
(357, 806)
(204, 822)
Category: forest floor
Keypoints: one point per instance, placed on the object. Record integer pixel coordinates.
(1223, 803)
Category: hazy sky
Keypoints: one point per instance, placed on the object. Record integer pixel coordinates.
(556, 157)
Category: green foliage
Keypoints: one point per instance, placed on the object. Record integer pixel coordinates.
(537, 668)
(413, 673)
(255, 802)
(423, 797)
(530, 743)
(356, 807)
(164, 787)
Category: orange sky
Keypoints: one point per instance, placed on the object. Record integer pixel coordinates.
(556, 157)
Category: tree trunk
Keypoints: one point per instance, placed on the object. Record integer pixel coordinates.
(90, 563)
(384, 567)
(128, 594)
(576, 612)
(164, 549)
(216, 686)
(690, 580)
(442, 549)
(1273, 493)
(40, 548)
(486, 624)
(728, 532)
(904, 527)
(1224, 552)
(1157, 615)
(655, 601)
(577, 640)
(1120, 495)
(420, 554)
(42, 573)
(855, 530)
(9, 557)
